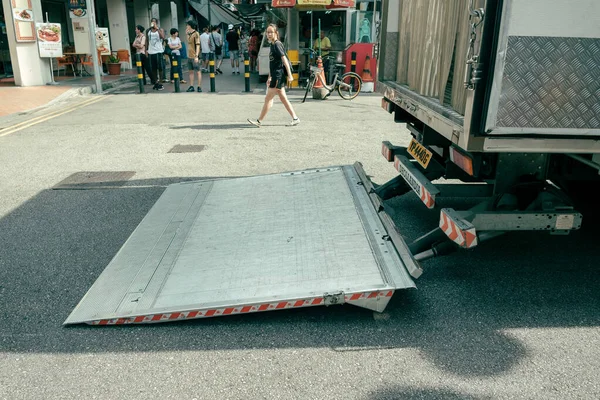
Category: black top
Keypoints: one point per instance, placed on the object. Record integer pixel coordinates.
(276, 65)
(232, 38)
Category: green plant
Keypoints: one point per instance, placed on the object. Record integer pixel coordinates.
(113, 59)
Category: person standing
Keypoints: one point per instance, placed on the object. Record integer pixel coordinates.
(193, 50)
(325, 45)
(253, 45)
(205, 46)
(280, 72)
(155, 51)
(233, 41)
(140, 48)
(174, 44)
(217, 44)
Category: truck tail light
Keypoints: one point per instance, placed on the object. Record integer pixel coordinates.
(464, 162)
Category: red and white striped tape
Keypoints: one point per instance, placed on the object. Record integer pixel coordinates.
(427, 198)
(246, 309)
(466, 238)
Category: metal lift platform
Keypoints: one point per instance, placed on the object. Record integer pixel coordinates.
(243, 245)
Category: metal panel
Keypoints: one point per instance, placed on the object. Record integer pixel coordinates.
(551, 83)
(240, 245)
(442, 119)
(547, 74)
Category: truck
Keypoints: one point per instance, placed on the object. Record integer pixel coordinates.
(501, 96)
(502, 99)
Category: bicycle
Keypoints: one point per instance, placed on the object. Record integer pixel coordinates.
(348, 84)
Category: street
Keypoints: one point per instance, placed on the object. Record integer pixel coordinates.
(516, 317)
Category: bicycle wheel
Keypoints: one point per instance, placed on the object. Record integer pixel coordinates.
(309, 85)
(349, 85)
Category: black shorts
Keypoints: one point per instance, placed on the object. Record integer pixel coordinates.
(278, 81)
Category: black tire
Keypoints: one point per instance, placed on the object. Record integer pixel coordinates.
(309, 85)
(349, 86)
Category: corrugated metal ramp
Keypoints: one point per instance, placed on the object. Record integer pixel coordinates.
(233, 246)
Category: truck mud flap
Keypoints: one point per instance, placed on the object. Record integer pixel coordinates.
(244, 245)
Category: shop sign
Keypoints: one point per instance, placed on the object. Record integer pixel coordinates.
(343, 3)
(22, 15)
(283, 3)
(49, 39)
(314, 2)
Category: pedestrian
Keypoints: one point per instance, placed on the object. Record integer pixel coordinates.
(193, 51)
(140, 48)
(233, 40)
(205, 45)
(253, 46)
(217, 44)
(155, 37)
(279, 72)
(174, 44)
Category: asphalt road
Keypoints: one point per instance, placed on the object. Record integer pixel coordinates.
(518, 317)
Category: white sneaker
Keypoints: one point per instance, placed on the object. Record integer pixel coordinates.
(255, 122)
(295, 122)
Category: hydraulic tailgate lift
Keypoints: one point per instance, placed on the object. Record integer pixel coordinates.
(234, 246)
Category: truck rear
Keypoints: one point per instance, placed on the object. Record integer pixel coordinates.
(503, 96)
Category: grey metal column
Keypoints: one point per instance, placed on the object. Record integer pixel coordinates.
(92, 23)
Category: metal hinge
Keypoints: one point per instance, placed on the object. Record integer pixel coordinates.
(333, 298)
(474, 70)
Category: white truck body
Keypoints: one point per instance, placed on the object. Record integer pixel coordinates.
(539, 70)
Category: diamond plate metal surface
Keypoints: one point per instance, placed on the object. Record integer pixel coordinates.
(551, 82)
(391, 56)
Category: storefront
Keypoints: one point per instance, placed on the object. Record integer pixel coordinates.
(343, 22)
(115, 21)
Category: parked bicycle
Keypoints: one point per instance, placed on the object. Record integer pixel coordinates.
(347, 84)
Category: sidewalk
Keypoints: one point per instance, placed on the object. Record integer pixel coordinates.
(20, 99)
(15, 99)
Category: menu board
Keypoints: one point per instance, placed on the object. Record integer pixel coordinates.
(49, 39)
(103, 41)
(22, 14)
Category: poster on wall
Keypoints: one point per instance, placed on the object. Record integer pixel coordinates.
(81, 36)
(49, 39)
(103, 41)
(22, 14)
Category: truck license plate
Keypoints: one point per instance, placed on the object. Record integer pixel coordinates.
(419, 152)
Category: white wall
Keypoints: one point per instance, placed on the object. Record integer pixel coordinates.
(118, 27)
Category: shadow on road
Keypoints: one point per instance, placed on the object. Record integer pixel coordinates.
(410, 393)
(214, 126)
(55, 245)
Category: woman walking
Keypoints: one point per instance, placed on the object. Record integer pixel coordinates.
(279, 72)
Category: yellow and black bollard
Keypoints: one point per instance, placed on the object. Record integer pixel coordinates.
(353, 62)
(211, 66)
(140, 72)
(176, 77)
(247, 71)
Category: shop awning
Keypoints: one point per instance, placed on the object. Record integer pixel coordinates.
(218, 14)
